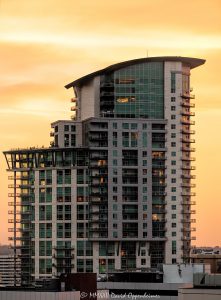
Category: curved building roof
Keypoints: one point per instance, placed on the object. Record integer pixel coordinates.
(191, 62)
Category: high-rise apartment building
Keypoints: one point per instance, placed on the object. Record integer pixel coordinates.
(114, 189)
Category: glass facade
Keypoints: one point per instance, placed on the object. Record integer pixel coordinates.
(139, 91)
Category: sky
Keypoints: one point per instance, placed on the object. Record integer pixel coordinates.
(46, 44)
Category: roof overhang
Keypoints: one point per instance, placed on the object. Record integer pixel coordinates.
(189, 61)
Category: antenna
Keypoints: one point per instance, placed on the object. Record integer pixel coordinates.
(147, 52)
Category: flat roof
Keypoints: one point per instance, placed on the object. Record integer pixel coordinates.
(190, 61)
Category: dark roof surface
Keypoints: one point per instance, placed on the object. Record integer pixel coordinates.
(192, 62)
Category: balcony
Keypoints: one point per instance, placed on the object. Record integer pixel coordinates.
(74, 108)
(98, 229)
(188, 229)
(159, 193)
(188, 238)
(52, 133)
(187, 140)
(107, 94)
(187, 131)
(159, 211)
(187, 96)
(63, 256)
(188, 221)
(188, 185)
(187, 104)
(187, 113)
(63, 247)
(188, 167)
(74, 99)
(107, 84)
(158, 166)
(188, 149)
(188, 212)
(188, 194)
(188, 202)
(188, 158)
(187, 122)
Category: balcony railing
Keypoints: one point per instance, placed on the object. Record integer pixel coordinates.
(187, 140)
(188, 149)
(187, 113)
(187, 104)
(188, 167)
(188, 194)
(187, 96)
(188, 158)
(188, 202)
(187, 131)
(187, 122)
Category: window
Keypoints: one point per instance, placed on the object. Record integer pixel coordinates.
(144, 198)
(173, 99)
(125, 125)
(73, 140)
(173, 225)
(115, 207)
(173, 144)
(144, 139)
(173, 189)
(173, 135)
(143, 252)
(66, 140)
(173, 180)
(173, 153)
(144, 207)
(115, 153)
(173, 126)
(143, 261)
(115, 216)
(144, 126)
(73, 128)
(115, 125)
(173, 82)
(173, 233)
(173, 260)
(144, 153)
(173, 117)
(173, 207)
(144, 225)
(173, 171)
(66, 127)
(114, 162)
(173, 198)
(173, 108)
(133, 126)
(144, 180)
(144, 234)
(115, 180)
(173, 216)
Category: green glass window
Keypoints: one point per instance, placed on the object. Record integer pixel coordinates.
(173, 82)
(139, 91)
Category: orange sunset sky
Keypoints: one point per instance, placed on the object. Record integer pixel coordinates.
(46, 44)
